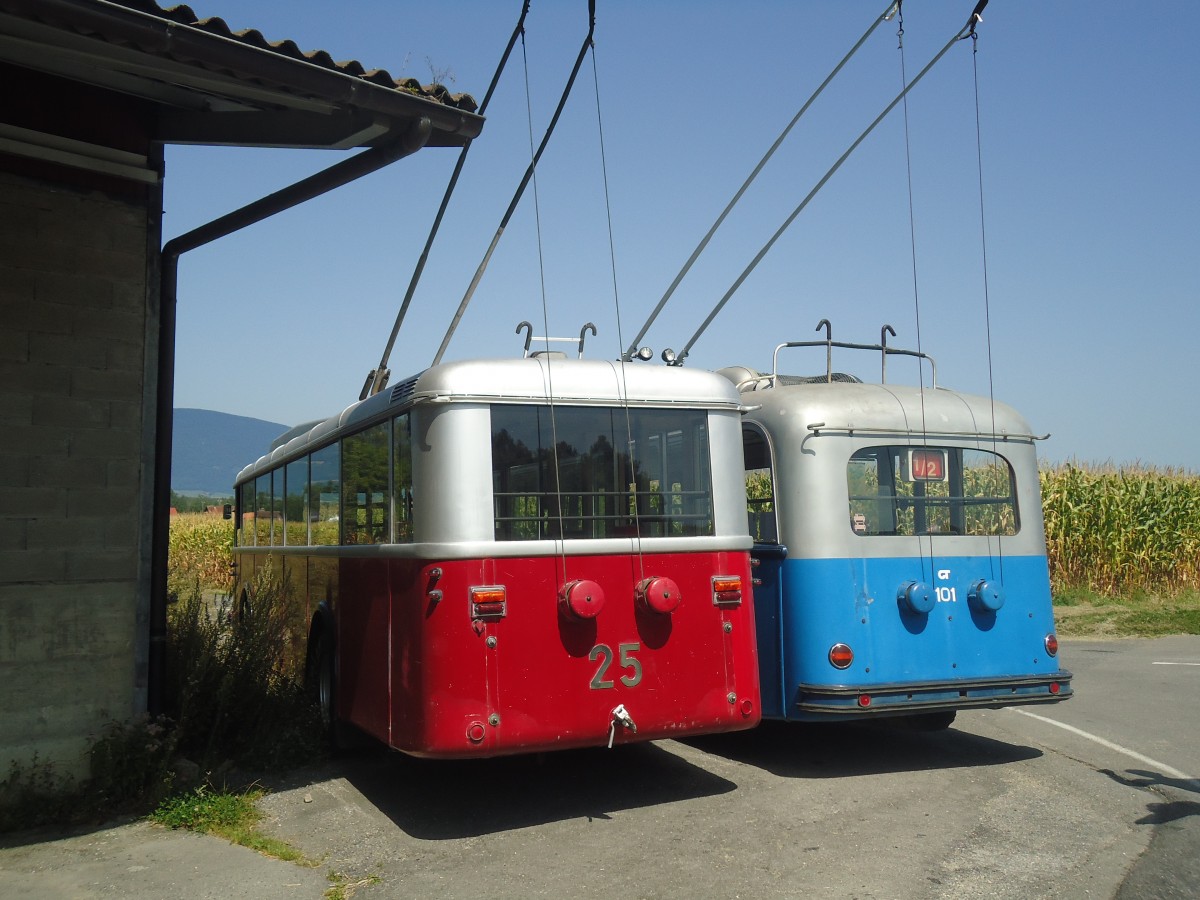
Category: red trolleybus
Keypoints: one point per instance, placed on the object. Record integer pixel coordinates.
(502, 556)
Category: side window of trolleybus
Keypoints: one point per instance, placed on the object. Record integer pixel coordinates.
(245, 523)
(403, 481)
(365, 504)
(906, 490)
(760, 487)
(277, 507)
(597, 472)
(295, 507)
(262, 510)
(325, 492)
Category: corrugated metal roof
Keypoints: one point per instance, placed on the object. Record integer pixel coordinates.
(214, 86)
(185, 15)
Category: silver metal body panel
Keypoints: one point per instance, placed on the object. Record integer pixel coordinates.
(813, 429)
(494, 549)
(539, 380)
(452, 455)
(451, 440)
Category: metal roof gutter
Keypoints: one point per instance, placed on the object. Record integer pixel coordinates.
(232, 61)
(335, 176)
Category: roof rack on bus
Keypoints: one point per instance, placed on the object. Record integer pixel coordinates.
(829, 343)
(530, 338)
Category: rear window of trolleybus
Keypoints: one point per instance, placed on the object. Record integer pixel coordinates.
(599, 472)
(904, 490)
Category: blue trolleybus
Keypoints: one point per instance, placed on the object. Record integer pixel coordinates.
(899, 547)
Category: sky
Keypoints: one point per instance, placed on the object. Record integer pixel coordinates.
(1046, 254)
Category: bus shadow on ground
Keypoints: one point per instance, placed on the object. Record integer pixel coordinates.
(839, 750)
(450, 799)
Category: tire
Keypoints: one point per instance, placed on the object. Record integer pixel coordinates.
(321, 678)
(244, 609)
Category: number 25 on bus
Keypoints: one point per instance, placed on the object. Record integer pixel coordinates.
(474, 565)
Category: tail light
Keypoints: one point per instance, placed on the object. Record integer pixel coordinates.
(488, 601)
(727, 590)
(1052, 644)
(841, 656)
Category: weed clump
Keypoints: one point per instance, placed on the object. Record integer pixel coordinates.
(234, 698)
(130, 766)
(232, 685)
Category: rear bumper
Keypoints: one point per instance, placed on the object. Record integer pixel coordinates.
(815, 702)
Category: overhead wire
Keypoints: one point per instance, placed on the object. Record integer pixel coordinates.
(918, 486)
(556, 469)
(987, 313)
(377, 378)
(512, 206)
(886, 15)
(621, 359)
(965, 31)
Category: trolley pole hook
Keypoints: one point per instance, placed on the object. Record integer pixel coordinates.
(620, 716)
(976, 18)
(883, 333)
(824, 323)
(583, 331)
(528, 334)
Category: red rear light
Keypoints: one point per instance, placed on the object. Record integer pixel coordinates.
(488, 601)
(1052, 644)
(660, 595)
(864, 700)
(840, 656)
(581, 599)
(1054, 687)
(727, 590)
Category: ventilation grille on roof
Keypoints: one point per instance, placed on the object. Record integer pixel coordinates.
(819, 379)
(403, 390)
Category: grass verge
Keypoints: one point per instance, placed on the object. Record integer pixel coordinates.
(232, 815)
(1083, 613)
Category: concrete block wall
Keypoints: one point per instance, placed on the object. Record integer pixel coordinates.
(73, 343)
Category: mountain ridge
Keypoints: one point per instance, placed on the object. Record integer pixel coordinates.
(209, 448)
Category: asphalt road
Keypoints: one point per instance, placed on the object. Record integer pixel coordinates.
(1006, 804)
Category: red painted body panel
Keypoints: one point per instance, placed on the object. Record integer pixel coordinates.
(424, 675)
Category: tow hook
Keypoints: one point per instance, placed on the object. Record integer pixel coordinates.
(620, 716)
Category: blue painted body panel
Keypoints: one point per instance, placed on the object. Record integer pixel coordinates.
(955, 656)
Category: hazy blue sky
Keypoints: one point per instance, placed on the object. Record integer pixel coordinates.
(1090, 123)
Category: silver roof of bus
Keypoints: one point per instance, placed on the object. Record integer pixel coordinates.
(535, 379)
(858, 408)
(575, 381)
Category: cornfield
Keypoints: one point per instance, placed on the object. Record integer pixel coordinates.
(1122, 530)
(1110, 530)
(199, 552)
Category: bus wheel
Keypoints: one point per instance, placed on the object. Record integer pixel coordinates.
(244, 610)
(932, 721)
(320, 677)
(321, 681)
